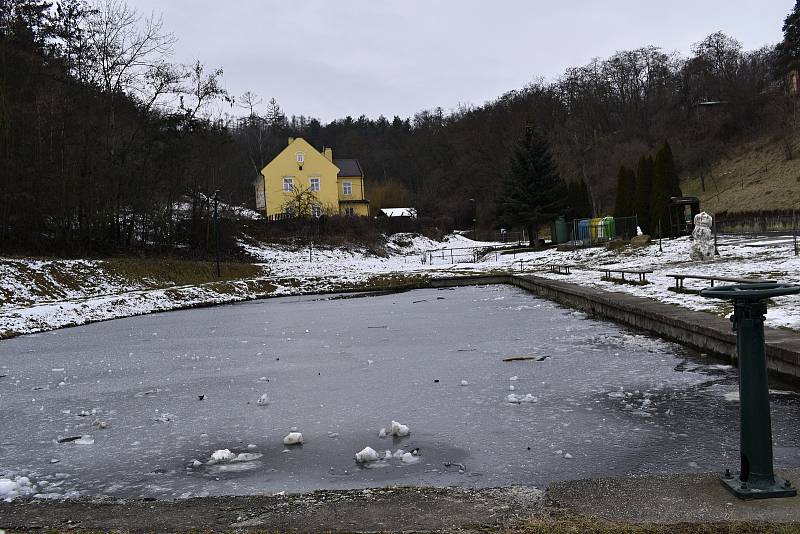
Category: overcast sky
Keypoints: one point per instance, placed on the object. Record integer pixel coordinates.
(329, 59)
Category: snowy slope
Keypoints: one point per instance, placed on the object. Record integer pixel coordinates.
(34, 295)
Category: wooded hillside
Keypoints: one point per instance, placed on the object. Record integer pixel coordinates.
(101, 136)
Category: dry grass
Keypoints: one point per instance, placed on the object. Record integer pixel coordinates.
(155, 273)
(754, 176)
(572, 525)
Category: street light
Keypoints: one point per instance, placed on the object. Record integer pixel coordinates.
(216, 227)
(474, 217)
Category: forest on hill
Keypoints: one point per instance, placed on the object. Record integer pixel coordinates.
(103, 139)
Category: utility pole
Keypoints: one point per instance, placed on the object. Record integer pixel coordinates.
(216, 227)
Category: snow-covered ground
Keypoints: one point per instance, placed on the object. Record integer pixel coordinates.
(43, 295)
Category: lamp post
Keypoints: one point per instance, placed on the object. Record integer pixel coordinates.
(474, 218)
(757, 478)
(216, 227)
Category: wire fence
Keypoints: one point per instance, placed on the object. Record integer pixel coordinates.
(582, 233)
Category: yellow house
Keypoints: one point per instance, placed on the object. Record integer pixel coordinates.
(301, 181)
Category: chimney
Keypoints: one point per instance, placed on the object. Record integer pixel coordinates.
(291, 140)
(328, 152)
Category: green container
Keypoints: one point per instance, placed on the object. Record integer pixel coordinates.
(559, 231)
(609, 228)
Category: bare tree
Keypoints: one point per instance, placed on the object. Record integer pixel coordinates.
(301, 202)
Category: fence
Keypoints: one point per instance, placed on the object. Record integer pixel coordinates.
(782, 222)
(587, 232)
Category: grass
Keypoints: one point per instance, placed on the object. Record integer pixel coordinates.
(154, 273)
(571, 525)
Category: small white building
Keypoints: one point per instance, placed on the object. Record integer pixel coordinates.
(398, 212)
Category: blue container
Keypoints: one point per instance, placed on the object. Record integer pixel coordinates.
(583, 230)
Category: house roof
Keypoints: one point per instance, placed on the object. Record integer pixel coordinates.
(348, 167)
(399, 212)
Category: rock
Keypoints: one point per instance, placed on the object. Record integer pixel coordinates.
(615, 244)
(640, 240)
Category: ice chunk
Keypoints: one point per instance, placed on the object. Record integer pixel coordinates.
(293, 438)
(367, 454)
(263, 400)
(514, 378)
(464, 383)
(409, 458)
(521, 399)
(382, 433)
(85, 440)
(11, 488)
(399, 429)
(399, 453)
(221, 455)
(387, 455)
(568, 456)
(511, 387)
(164, 418)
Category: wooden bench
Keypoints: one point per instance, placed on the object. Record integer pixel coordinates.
(680, 277)
(560, 268)
(641, 273)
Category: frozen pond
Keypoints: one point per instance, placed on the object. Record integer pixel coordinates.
(608, 401)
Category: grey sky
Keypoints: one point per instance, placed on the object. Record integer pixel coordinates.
(329, 59)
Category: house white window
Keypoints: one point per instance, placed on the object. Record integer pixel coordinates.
(347, 188)
(314, 184)
(316, 212)
(300, 156)
(288, 184)
(349, 211)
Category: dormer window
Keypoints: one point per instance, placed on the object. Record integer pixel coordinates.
(301, 157)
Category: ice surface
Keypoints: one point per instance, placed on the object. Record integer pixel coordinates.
(331, 391)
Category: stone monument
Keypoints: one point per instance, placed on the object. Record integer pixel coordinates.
(703, 242)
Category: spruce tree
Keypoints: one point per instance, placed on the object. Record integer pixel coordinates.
(580, 205)
(665, 186)
(626, 189)
(534, 192)
(644, 185)
(787, 52)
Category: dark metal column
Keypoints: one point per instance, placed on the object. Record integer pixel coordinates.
(756, 479)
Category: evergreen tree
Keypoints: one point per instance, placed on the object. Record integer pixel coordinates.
(626, 189)
(644, 185)
(665, 185)
(580, 205)
(788, 51)
(534, 192)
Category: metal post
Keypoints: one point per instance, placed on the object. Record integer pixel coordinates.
(794, 232)
(714, 226)
(216, 228)
(757, 478)
(659, 236)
